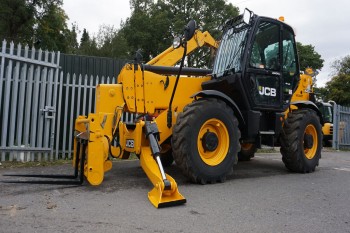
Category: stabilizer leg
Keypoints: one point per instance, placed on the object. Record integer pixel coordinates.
(165, 192)
(160, 196)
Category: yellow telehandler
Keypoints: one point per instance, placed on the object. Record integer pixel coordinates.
(326, 110)
(204, 119)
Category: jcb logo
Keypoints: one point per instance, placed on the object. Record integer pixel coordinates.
(268, 91)
(129, 143)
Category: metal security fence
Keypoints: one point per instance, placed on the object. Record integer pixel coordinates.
(341, 127)
(39, 103)
(28, 94)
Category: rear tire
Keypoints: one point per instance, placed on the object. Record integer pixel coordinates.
(247, 151)
(205, 141)
(301, 141)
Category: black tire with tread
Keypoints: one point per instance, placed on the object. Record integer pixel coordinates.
(185, 135)
(292, 141)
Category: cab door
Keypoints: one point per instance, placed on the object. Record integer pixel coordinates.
(271, 72)
(264, 75)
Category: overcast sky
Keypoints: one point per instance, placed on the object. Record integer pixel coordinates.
(324, 24)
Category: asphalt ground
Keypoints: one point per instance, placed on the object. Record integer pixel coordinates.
(260, 196)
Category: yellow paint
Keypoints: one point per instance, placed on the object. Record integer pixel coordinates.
(171, 56)
(131, 134)
(158, 196)
(213, 158)
(310, 153)
(326, 129)
(108, 97)
(139, 91)
(302, 93)
(158, 98)
(143, 93)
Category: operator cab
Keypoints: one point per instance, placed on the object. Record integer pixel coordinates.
(260, 52)
(326, 110)
(256, 66)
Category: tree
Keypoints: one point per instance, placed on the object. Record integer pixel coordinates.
(111, 42)
(148, 30)
(308, 57)
(342, 66)
(85, 37)
(153, 26)
(72, 45)
(108, 43)
(16, 20)
(339, 86)
(321, 93)
(37, 22)
(51, 29)
(87, 45)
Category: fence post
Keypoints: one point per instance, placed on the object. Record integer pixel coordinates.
(13, 102)
(54, 103)
(335, 126)
(6, 106)
(2, 72)
(21, 106)
(2, 68)
(29, 95)
(59, 110)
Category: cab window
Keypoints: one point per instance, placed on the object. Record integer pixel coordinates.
(265, 51)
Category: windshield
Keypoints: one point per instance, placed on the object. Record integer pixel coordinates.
(228, 57)
(328, 116)
(326, 111)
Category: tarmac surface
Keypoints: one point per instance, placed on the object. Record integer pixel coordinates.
(261, 196)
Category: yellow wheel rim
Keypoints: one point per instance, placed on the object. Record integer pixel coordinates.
(217, 153)
(311, 152)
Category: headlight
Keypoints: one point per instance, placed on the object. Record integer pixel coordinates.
(176, 42)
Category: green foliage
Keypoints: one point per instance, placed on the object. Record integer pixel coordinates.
(339, 86)
(308, 57)
(87, 45)
(108, 43)
(16, 20)
(52, 31)
(152, 26)
(148, 30)
(41, 23)
(72, 42)
(321, 93)
(342, 66)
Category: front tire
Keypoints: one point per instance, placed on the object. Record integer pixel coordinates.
(205, 141)
(301, 141)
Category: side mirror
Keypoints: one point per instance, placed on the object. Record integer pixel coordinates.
(190, 29)
(247, 14)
